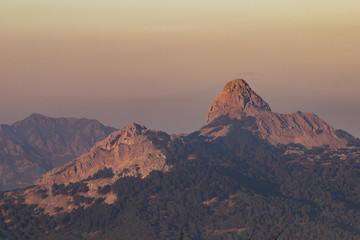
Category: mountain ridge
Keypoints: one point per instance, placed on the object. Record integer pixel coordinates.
(238, 101)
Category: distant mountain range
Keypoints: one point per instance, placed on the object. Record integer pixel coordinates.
(37, 144)
(246, 165)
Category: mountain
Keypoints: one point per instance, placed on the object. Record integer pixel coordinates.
(239, 101)
(223, 181)
(35, 145)
(131, 151)
(132, 148)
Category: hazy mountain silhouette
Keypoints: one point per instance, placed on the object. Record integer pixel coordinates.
(35, 145)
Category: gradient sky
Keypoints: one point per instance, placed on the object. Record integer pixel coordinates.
(161, 63)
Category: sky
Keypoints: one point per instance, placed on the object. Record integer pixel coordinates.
(161, 63)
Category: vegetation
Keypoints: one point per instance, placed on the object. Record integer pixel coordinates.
(102, 173)
(71, 189)
(232, 183)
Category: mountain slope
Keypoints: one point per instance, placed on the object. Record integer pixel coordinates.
(131, 151)
(35, 145)
(130, 148)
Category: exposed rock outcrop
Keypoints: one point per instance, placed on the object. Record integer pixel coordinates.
(236, 100)
(131, 151)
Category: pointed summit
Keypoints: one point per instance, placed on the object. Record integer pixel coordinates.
(237, 99)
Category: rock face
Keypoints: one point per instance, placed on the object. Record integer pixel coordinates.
(239, 101)
(236, 100)
(37, 144)
(131, 151)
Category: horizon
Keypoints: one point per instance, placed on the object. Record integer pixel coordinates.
(162, 63)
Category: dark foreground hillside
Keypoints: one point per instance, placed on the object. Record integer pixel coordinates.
(216, 190)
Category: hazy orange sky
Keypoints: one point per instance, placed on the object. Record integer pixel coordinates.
(161, 63)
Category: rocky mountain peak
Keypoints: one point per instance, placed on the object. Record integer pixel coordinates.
(239, 101)
(129, 148)
(236, 99)
(134, 129)
(126, 135)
